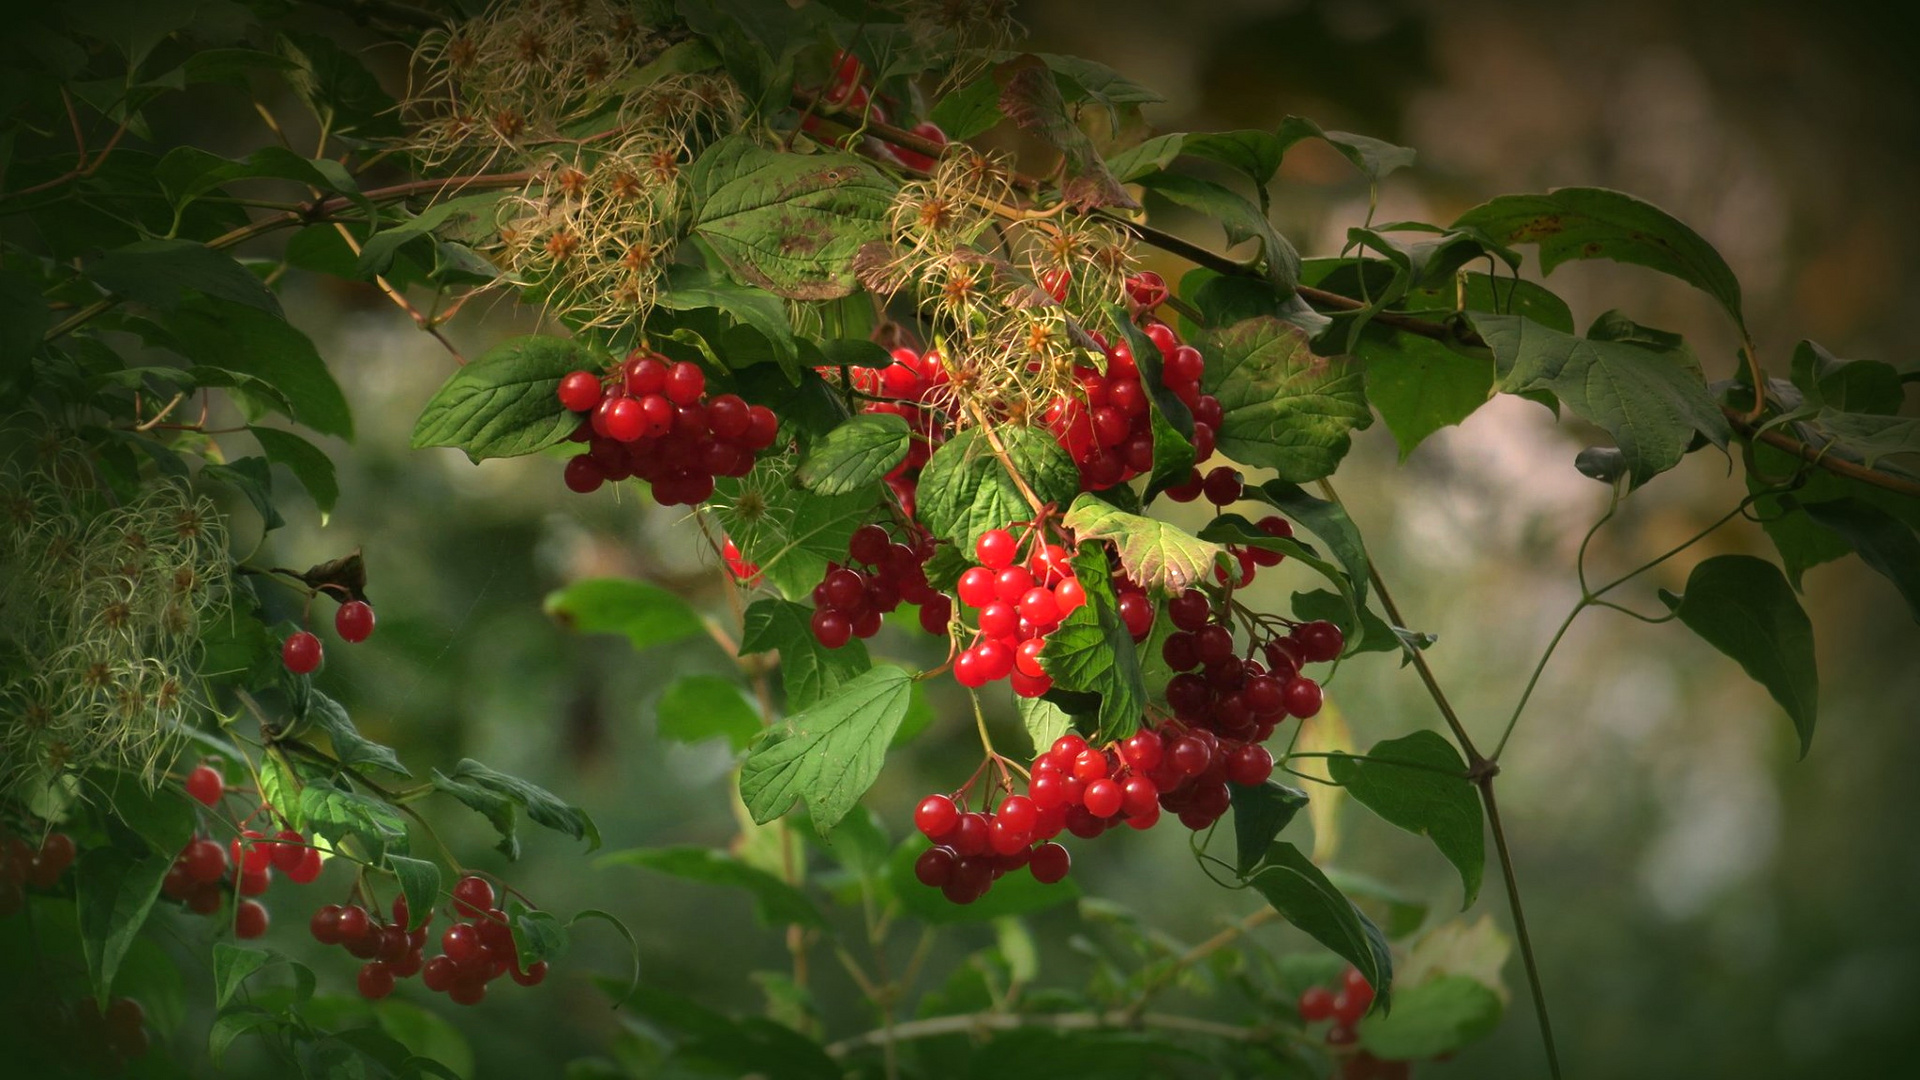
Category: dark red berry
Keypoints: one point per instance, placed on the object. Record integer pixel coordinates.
(354, 621)
(1303, 697)
(472, 896)
(1050, 863)
(205, 784)
(1222, 486)
(249, 919)
(1316, 1003)
(376, 980)
(301, 653)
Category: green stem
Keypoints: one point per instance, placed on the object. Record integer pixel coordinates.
(1520, 926)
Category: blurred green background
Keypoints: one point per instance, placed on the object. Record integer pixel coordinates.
(1704, 903)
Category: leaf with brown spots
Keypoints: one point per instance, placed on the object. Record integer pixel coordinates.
(788, 223)
(1595, 223)
(1031, 98)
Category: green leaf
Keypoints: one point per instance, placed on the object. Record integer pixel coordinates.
(1326, 520)
(1595, 223)
(1031, 98)
(791, 533)
(1651, 403)
(856, 454)
(308, 463)
(540, 804)
(265, 346)
(1282, 407)
(349, 746)
(692, 287)
(337, 86)
(1866, 437)
(24, 318)
(1884, 542)
(163, 272)
(647, 614)
(700, 707)
(1092, 652)
(1371, 156)
(113, 892)
(505, 403)
(187, 172)
(251, 477)
(1090, 80)
(228, 1027)
(1240, 218)
(1045, 722)
(1432, 1019)
(1239, 532)
(420, 884)
(828, 753)
(1419, 783)
(1418, 385)
(970, 110)
(1860, 386)
(789, 223)
(496, 808)
(1744, 607)
(965, 489)
(339, 815)
(233, 965)
(1018, 893)
(425, 1034)
(1260, 812)
(633, 946)
(809, 670)
(537, 935)
(377, 254)
(775, 903)
(1154, 554)
(1304, 897)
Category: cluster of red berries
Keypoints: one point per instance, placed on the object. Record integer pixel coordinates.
(850, 601)
(846, 92)
(1019, 605)
(1238, 698)
(1108, 428)
(472, 953)
(107, 1041)
(651, 418)
(1344, 1006)
(972, 850)
(204, 871)
(301, 651)
(21, 865)
(907, 388)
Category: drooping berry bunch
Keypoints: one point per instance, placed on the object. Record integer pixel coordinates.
(1107, 428)
(1019, 604)
(881, 574)
(204, 872)
(651, 418)
(972, 849)
(301, 652)
(22, 865)
(1243, 699)
(1344, 1006)
(474, 951)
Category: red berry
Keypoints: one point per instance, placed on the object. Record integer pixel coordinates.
(1103, 798)
(461, 943)
(467, 991)
(844, 590)
(206, 861)
(287, 854)
(994, 658)
(1320, 641)
(1065, 749)
(1147, 289)
(1347, 1009)
(967, 670)
(934, 867)
(1012, 583)
(472, 896)
(831, 628)
(646, 375)
(354, 621)
(1316, 1003)
(1143, 751)
(532, 976)
(1018, 812)
(1359, 990)
(971, 837)
(685, 383)
(205, 784)
(1055, 283)
(376, 980)
(1185, 365)
(583, 475)
(1222, 486)
(763, 428)
(580, 391)
(439, 974)
(255, 883)
(1050, 863)
(352, 923)
(249, 919)
(205, 899)
(252, 857)
(301, 653)
(976, 587)
(308, 868)
(325, 925)
(995, 549)
(936, 816)
(1190, 610)
(1303, 697)
(1250, 765)
(1136, 611)
(626, 421)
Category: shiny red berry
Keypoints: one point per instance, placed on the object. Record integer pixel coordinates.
(205, 784)
(301, 653)
(354, 621)
(579, 391)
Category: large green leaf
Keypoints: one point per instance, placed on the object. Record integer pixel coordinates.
(809, 670)
(308, 463)
(856, 454)
(828, 753)
(114, 890)
(1241, 219)
(1884, 542)
(1867, 437)
(340, 814)
(1154, 554)
(1260, 812)
(965, 489)
(544, 807)
(164, 272)
(1031, 98)
(1596, 223)
(505, 403)
(1419, 783)
(789, 223)
(1418, 384)
(699, 707)
(1304, 897)
(1282, 407)
(238, 338)
(1328, 521)
(1369, 155)
(690, 287)
(789, 532)
(647, 614)
(420, 884)
(1092, 652)
(1651, 402)
(349, 746)
(1435, 1018)
(1860, 386)
(1802, 541)
(1744, 607)
(775, 902)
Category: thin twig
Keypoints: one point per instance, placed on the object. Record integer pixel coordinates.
(1081, 1021)
(1520, 925)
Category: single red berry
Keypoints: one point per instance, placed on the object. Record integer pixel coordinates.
(1055, 282)
(934, 867)
(936, 816)
(626, 421)
(1250, 765)
(205, 860)
(289, 851)
(255, 883)
(206, 784)
(1190, 610)
(1065, 749)
(301, 653)
(580, 391)
(1147, 289)
(1136, 611)
(646, 374)
(1347, 1009)
(352, 923)
(967, 670)
(994, 658)
(252, 857)
(971, 837)
(1316, 1003)
(1222, 486)
(461, 943)
(1143, 750)
(1320, 641)
(976, 587)
(249, 919)
(376, 980)
(126, 1021)
(308, 868)
(583, 475)
(1050, 863)
(439, 974)
(1303, 697)
(685, 383)
(532, 976)
(1358, 989)
(995, 549)
(472, 896)
(831, 628)
(325, 925)
(763, 429)
(354, 621)
(1018, 812)
(1012, 583)
(844, 590)
(466, 991)
(1103, 798)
